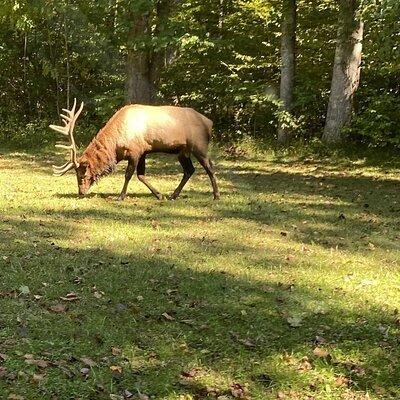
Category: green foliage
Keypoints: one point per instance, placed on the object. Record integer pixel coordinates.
(377, 123)
(220, 57)
(377, 120)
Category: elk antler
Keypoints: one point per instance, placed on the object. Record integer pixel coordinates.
(68, 129)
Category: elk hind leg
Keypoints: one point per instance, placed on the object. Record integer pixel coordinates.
(207, 164)
(188, 170)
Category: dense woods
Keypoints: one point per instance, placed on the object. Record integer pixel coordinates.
(254, 67)
(274, 274)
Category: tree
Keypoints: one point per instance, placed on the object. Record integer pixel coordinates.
(288, 43)
(139, 87)
(346, 70)
(146, 50)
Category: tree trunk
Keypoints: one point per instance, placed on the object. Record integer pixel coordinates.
(144, 66)
(346, 71)
(158, 55)
(288, 43)
(139, 88)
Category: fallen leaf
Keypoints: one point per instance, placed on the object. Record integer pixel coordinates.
(24, 290)
(58, 308)
(116, 368)
(320, 352)
(127, 394)
(354, 368)
(294, 321)
(70, 297)
(116, 372)
(85, 371)
(189, 322)
(13, 396)
(38, 363)
(305, 364)
(247, 342)
(319, 340)
(116, 397)
(239, 391)
(190, 373)
(116, 351)
(88, 362)
(341, 381)
(37, 378)
(168, 317)
(267, 289)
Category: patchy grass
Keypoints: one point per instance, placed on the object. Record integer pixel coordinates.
(288, 287)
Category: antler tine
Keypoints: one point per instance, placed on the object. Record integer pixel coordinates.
(69, 119)
(59, 171)
(56, 167)
(64, 146)
(72, 111)
(60, 129)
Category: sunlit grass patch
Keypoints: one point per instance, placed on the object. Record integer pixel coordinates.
(288, 286)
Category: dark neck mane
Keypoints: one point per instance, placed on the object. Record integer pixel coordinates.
(101, 157)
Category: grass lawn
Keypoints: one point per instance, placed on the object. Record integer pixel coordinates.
(288, 287)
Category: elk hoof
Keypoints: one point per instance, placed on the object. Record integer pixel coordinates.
(159, 196)
(120, 198)
(172, 197)
(217, 196)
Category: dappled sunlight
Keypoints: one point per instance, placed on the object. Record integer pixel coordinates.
(239, 291)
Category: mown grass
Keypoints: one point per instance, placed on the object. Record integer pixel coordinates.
(288, 287)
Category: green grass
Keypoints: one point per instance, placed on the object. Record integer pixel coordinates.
(298, 253)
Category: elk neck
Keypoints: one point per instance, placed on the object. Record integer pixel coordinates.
(100, 155)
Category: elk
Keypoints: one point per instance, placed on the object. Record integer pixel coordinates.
(130, 134)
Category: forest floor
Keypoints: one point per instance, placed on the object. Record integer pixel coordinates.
(288, 287)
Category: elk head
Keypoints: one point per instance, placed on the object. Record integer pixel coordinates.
(81, 166)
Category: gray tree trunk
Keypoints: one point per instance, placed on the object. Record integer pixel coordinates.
(158, 56)
(139, 88)
(346, 71)
(144, 66)
(288, 44)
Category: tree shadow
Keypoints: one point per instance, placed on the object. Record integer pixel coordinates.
(164, 317)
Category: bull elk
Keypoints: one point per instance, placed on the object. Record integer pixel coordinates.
(130, 134)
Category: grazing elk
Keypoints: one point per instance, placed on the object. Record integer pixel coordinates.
(133, 132)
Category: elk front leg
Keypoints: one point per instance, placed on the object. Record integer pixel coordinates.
(141, 169)
(188, 171)
(130, 169)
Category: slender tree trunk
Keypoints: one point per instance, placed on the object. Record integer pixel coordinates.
(346, 71)
(67, 59)
(138, 85)
(144, 66)
(158, 56)
(288, 44)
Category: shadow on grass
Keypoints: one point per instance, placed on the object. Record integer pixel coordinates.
(163, 316)
(318, 207)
